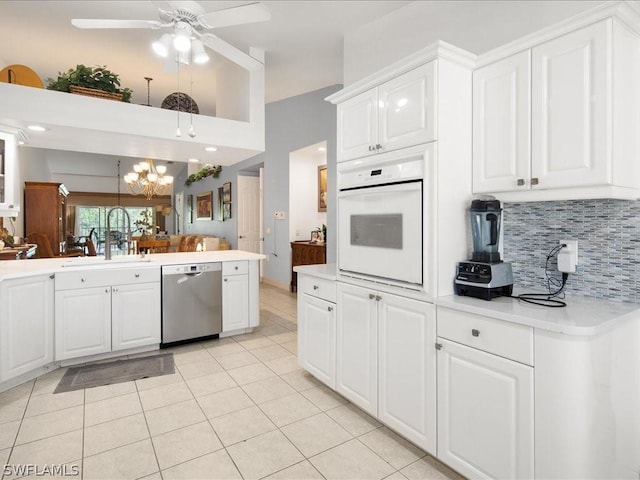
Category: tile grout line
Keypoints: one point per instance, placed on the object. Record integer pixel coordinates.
(24, 412)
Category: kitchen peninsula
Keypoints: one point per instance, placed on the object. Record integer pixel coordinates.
(115, 307)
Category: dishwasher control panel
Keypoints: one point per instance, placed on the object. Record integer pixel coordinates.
(191, 268)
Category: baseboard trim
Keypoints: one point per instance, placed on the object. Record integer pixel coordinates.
(275, 283)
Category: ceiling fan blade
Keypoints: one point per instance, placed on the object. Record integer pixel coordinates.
(229, 51)
(250, 13)
(104, 23)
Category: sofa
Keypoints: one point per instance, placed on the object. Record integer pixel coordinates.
(189, 243)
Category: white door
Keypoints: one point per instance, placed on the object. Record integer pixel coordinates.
(248, 212)
(407, 368)
(357, 346)
(261, 210)
(358, 126)
(235, 302)
(26, 325)
(502, 125)
(135, 315)
(407, 109)
(570, 108)
(83, 322)
(317, 338)
(485, 413)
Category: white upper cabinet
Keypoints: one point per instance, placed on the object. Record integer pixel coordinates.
(9, 175)
(582, 85)
(571, 99)
(396, 114)
(502, 124)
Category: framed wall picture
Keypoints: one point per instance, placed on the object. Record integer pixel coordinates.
(219, 210)
(226, 192)
(190, 208)
(204, 202)
(226, 208)
(322, 188)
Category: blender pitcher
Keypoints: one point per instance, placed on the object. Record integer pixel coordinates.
(486, 215)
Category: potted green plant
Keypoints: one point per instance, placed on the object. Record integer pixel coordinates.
(93, 81)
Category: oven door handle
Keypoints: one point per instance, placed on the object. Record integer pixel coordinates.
(389, 188)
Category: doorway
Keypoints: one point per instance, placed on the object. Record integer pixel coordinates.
(249, 226)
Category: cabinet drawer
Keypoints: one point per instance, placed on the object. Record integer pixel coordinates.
(240, 267)
(508, 340)
(100, 278)
(318, 287)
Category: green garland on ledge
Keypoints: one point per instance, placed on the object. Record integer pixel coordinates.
(204, 172)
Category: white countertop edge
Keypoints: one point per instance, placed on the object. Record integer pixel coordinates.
(595, 326)
(12, 269)
(327, 271)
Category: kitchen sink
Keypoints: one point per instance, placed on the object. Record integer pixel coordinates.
(89, 261)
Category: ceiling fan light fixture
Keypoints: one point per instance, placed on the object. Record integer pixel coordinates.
(198, 52)
(182, 37)
(162, 45)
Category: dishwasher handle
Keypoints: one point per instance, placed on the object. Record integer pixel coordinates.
(187, 276)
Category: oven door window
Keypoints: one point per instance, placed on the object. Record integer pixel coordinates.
(380, 232)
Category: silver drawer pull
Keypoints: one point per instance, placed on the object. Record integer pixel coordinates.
(315, 287)
(378, 298)
(106, 290)
(535, 181)
(226, 279)
(137, 275)
(83, 280)
(371, 296)
(475, 333)
(520, 182)
(236, 267)
(330, 309)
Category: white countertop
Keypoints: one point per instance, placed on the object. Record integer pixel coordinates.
(583, 316)
(327, 271)
(23, 268)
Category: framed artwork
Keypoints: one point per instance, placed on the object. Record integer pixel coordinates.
(219, 212)
(226, 192)
(322, 188)
(204, 203)
(226, 209)
(190, 208)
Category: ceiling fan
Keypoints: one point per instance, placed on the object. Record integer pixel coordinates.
(190, 24)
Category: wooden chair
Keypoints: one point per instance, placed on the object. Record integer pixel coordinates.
(188, 243)
(44, 247)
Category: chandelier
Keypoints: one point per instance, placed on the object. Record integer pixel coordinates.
(148, 180)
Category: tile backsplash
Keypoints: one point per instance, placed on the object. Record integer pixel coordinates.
(608, 234)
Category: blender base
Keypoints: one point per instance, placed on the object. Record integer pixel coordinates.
(483, 292)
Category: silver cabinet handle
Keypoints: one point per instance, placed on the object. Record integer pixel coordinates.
(371, 296)
(106, 290)
(330, 309)
(240, 236)
(438, 346)
(83, 280)
(226, 279)
(371, 148)
(520, 182)
(378, 146)
(236, 267)
(475, 332)
(535, 181)
(137, 275)
(378, 298)
(315, 287)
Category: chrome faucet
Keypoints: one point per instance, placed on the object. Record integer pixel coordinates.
(107, 235)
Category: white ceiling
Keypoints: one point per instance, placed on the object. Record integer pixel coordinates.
(303, 42)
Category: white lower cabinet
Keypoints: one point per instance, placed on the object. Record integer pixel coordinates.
(386, 360)
(26, 325)
(485, 401)
(235, 296)
(317, 331)
(135, 311)
(103, 311)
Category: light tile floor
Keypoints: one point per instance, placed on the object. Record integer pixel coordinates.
(238, 407)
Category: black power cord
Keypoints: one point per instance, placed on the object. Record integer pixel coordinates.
(551, 299)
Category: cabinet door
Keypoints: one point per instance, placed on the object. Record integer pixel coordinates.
(485, 413)
(358, 126)
(235, 302)
(407, 109)
(317, 338)
(407, 368)
(357, 347)
(571, 89)
(135, 315)
(502, 125)
(83, 322)
(26, 325)
(9, 180)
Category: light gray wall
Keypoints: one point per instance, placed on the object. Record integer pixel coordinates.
(291, 124)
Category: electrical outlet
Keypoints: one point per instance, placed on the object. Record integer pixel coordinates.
(568, 256)
(279, 215)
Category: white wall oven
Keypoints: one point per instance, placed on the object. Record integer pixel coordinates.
(381, 204)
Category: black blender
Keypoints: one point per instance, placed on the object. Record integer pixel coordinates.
(485, 275)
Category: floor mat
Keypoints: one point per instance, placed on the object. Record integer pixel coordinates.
(119, 371)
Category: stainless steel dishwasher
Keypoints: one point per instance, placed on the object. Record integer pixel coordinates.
(191, 302)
